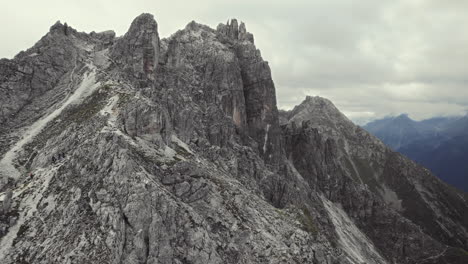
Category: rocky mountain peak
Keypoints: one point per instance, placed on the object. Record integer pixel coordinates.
(137, 52)
(233, 31)
(403, 118)
(141, 150)
(194, 26)
(62, 29)
(58, 27)
(320, 114)
(320, 102)
(248, 97)
(315, 108)
(143, 23)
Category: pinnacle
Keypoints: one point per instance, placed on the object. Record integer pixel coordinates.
(145, 17)
(234, 31)
(145, 22)
(58, 27)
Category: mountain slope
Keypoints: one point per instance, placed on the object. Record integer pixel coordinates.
(357, 170)
(446, 159)
(137, 149)
(167, 146)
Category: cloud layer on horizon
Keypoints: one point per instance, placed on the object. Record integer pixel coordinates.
(371, 58)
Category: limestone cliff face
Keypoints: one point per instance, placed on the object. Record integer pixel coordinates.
(147, 150)
(137, 52)
(259, 91)
(233, 76)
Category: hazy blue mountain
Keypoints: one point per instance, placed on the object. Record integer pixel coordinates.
(397, 131)
(440, 144)
(448, 160)
(445, 155)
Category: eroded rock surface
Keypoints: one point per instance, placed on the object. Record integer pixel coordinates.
(138, 149)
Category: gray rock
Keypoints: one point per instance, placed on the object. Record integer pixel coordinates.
(174, 154)
(376, 186)
(137, 52)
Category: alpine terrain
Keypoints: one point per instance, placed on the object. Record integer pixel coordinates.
(137, 149)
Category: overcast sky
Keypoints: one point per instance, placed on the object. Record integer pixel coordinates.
(372, 58)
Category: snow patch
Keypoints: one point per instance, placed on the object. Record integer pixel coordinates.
(355, 244)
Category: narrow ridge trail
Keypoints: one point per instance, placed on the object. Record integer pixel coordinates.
(87, 86)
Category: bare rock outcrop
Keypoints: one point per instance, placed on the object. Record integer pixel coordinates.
(137, 52)
(138, 149)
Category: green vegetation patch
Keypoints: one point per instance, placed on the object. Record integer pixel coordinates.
(281, 213)
(307, 221)
(123, 99)
(90, 107)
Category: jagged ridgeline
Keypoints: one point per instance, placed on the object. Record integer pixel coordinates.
(136, 149)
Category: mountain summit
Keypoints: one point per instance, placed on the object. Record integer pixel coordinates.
(137, 149)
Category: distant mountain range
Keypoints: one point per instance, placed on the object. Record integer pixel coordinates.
(440, 144)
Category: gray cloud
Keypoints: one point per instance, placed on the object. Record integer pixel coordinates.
(371, 58)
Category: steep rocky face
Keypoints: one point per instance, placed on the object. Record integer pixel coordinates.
(170, 151)
(375, 185)
(140, 164)
(259, 92)
(38, 81)
(137, 52)
(36, 71)
(232, 75)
